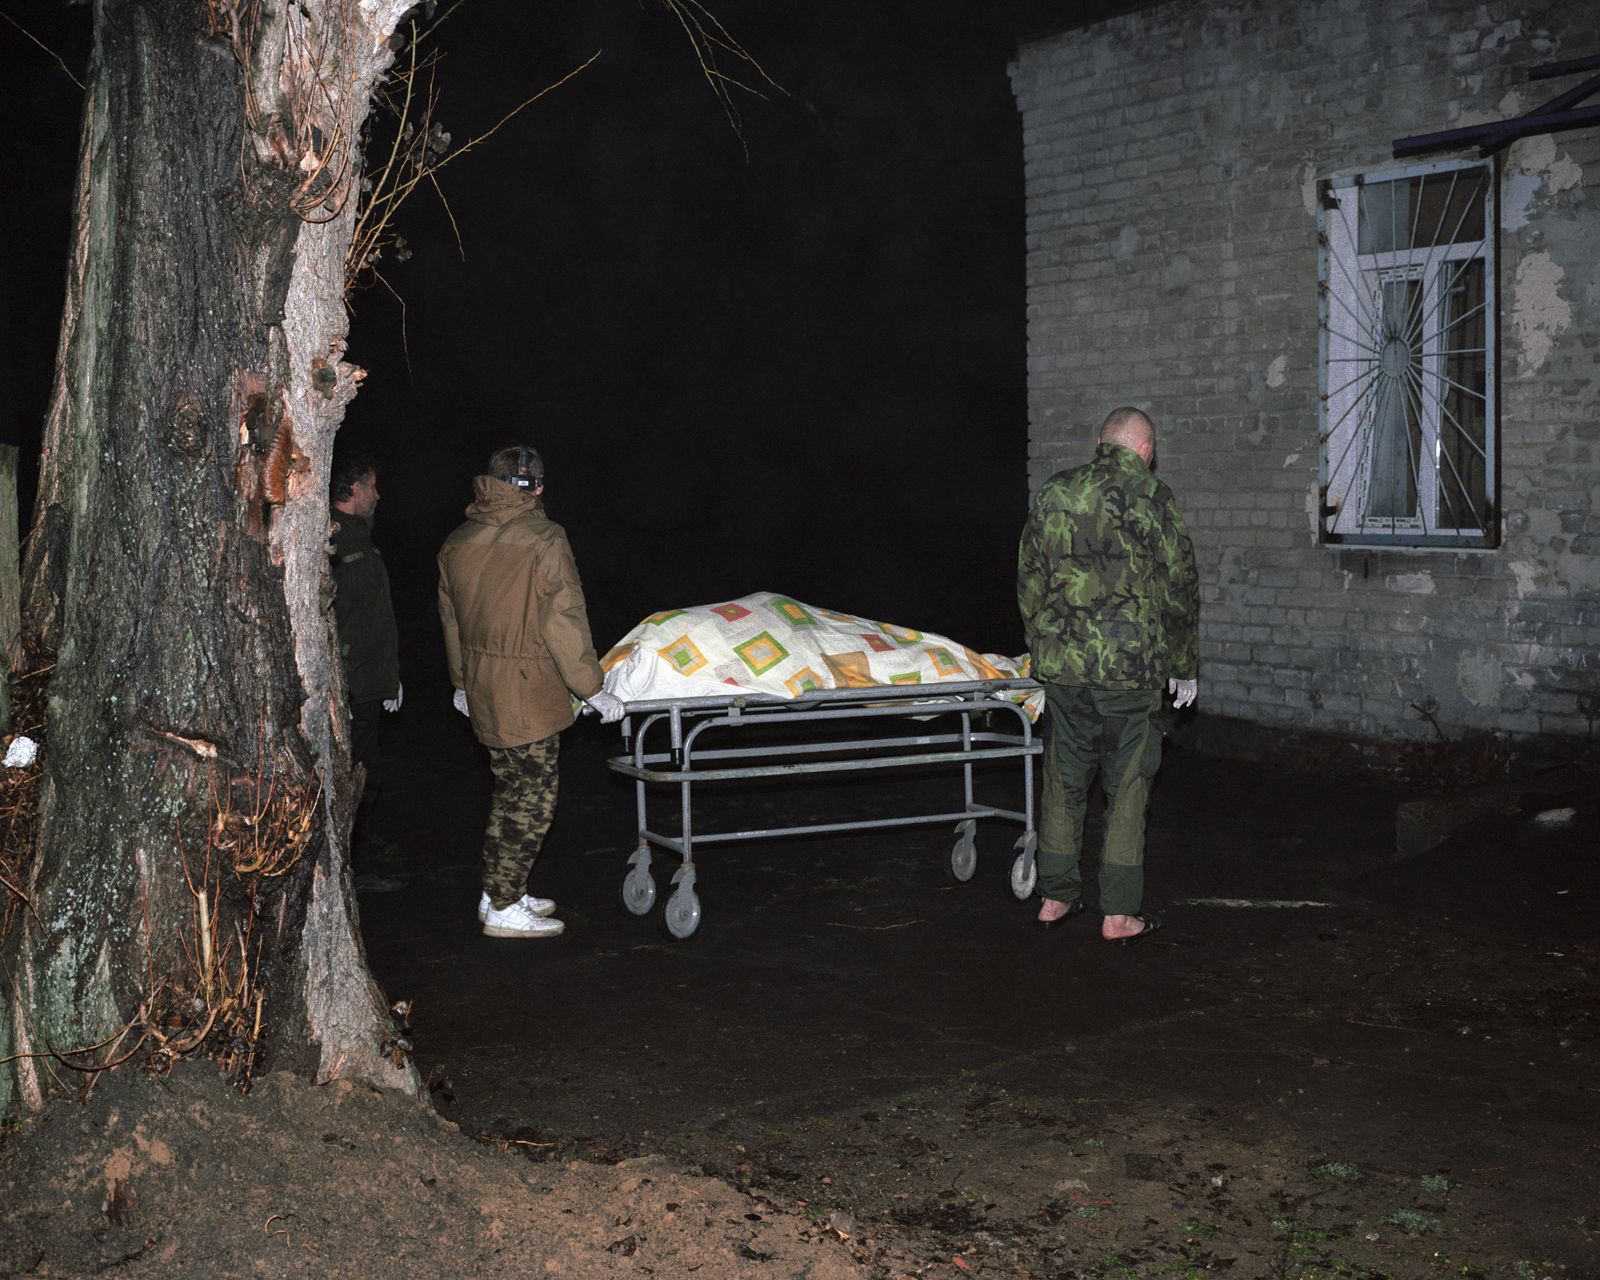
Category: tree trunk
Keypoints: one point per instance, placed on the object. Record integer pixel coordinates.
(10, 582)
(189, 887)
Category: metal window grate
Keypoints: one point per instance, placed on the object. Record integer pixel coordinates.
(1406, 262)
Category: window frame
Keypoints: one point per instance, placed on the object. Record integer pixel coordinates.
(1352, 375)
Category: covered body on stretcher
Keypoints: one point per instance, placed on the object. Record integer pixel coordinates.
(693, 679)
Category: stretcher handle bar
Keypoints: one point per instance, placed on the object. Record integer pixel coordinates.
(675, 843)
(683, 743)
(750, 702)
(623, 765)
(799, 715)
(685, 752)
(909, 710)
(819, 748)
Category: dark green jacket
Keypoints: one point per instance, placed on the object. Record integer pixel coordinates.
(1106, 578)
(369, 641)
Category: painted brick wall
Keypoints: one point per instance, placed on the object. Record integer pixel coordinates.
(1171, 159)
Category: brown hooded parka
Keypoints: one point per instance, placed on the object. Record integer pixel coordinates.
(516, 634)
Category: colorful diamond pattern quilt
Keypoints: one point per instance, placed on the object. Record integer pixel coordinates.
(771, 644)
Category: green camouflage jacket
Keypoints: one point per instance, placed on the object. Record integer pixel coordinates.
(1106, 578)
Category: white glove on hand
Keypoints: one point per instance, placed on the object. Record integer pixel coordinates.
(393, 704)
(1183, 692)
(460, 701)
(607, 706)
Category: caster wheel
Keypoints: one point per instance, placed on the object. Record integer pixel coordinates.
(681, 916)
(1024, 874)
(638, 891)
(963, 859)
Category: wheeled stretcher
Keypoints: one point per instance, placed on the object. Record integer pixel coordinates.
(689, 742)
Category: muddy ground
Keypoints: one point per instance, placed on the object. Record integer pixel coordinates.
(856, 1068)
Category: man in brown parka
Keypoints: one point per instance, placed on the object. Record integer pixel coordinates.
(517, 640)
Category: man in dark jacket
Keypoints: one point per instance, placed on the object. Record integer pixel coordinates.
(369, 646)
(1109, 596)
(516, 637)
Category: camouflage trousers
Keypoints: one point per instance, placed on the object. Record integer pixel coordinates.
(1112, 732)
(519, 816)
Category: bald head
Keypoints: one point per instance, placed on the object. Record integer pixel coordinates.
(1132, 429)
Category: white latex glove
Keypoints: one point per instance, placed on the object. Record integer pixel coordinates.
(393, 704)
(607, 706)
(460, 701)
(1183, 692)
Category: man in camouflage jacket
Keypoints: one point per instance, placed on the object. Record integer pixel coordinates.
(1109, 595)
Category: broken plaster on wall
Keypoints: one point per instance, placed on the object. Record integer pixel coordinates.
(1308, 186)
(1480, 676)
(1526, 574)
(1518, 192)
(1534, 164)
(1540, 314)
(1417, 584)
(1538, 155)
(1502, 35)
(1275, 371)
(1579, 571)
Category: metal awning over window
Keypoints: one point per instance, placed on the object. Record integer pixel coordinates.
(1556, 116)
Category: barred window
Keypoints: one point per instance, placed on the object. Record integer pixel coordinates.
(1407, 295)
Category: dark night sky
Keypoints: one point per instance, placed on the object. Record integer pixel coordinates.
(800, 369)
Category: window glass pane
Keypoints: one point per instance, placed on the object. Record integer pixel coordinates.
(1421, 212)
(1396, 427)
(1463, 430)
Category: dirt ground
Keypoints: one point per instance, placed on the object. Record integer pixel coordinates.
(1329, 1063)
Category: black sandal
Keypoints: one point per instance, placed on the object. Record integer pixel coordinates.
(1151, 924)
(1074, 908)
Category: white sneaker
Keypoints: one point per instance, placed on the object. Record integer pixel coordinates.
(517, 921)
(539, 906)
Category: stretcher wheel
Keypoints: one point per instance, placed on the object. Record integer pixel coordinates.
(638, 891)
(1024, 870)
(681, 916)
(963, 860)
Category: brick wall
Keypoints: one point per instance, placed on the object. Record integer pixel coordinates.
(1171, 160)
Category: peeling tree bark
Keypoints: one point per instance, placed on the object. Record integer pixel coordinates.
(178, 553)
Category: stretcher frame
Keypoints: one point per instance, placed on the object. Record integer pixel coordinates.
(663, 737)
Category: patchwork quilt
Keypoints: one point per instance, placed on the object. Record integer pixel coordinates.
(770, 644)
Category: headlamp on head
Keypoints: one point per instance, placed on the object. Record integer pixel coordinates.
(524, 477)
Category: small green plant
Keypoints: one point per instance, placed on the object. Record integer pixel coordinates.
(1339, 1171)
(1087, 1211)
(1282, 1226)
(1523, 1270)
(1411, 1221)
(1094, 1144)
(1436, 1182)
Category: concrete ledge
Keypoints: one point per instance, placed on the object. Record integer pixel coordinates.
(1454, 784)
(1426, 822)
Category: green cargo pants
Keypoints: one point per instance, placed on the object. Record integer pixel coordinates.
(1112, 732)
